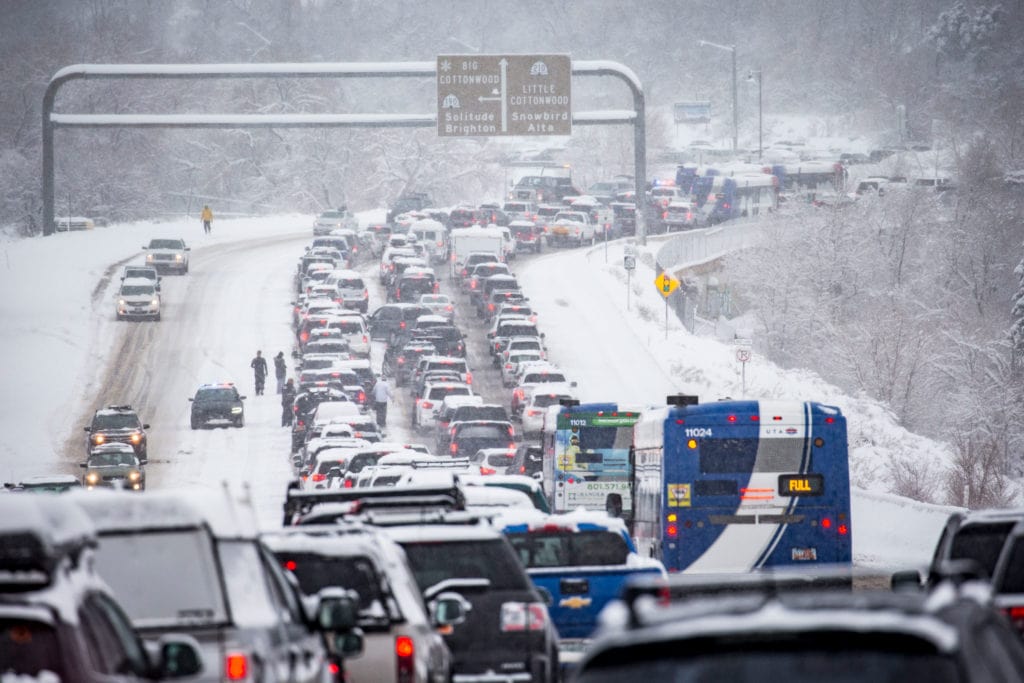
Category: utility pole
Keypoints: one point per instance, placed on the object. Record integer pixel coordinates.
(735, 110)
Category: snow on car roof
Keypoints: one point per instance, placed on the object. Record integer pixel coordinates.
(496, 497)
(114, 511)
(350, 539)
(428, 533)
(576, 520)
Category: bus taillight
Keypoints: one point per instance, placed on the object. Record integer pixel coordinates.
(826, 523)
(843, 530)
(671, 530)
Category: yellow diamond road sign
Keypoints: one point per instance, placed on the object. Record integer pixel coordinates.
(666, 284)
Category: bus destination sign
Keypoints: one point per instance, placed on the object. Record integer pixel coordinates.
(496, 95)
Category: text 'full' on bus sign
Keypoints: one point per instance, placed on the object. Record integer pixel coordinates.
(493, 95)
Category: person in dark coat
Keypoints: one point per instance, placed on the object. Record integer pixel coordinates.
(287, 402)
(259, 368)
(280, 370)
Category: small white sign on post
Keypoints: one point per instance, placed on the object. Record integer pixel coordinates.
(743, 352)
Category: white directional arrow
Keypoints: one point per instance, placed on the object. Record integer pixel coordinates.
(505, 94)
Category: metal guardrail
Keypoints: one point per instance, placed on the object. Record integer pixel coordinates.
(696, 247)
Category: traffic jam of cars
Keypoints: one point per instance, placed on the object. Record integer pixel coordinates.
(420, 536)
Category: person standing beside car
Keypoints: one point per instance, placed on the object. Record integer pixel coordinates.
(280, 370)
(381, 395)
(207, 218)
(288, 394)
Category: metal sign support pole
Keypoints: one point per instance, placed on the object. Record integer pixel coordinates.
(666, 317)
(629, 278)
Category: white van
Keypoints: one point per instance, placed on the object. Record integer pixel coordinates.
(433, 236)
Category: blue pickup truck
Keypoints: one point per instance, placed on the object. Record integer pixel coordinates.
(583, 559)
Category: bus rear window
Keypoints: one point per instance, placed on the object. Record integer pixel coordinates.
(732, 456)
(727, 456)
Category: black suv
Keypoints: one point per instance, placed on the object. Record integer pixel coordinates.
(117, 424)
(217, 402)
(58, 616)
(765, 631)
(506, 633)
(391, 319)
(977, 536)
(408, 201)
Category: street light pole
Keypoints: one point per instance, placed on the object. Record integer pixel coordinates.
(758, 75)
(735, 111)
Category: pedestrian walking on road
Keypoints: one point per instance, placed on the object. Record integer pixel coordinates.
(207, 217)
(381, 395)
(280, 370)
(259, 369)
(287, 403)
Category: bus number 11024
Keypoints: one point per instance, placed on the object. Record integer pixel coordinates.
(698, 431)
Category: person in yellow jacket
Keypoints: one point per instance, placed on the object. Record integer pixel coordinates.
(207, 218)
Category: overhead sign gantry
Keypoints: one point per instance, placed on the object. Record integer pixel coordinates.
(495, 95)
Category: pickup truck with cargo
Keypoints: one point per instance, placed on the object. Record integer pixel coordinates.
(582, 560)
(572, 227)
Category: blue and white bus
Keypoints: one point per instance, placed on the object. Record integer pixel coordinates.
(586, 457)
(739, 196)
(735, 486)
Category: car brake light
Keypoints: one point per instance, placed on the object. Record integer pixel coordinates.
(366, 340)
(236, 666)
(404, 651)
(532, 412)
(427, 405)
(487, 470)
(453, 448)
(469, 378)
(523, 616)
(366, 293)
(348, 483)
(362, 397)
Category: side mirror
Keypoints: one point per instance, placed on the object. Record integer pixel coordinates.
(539, 476)
(143, 461)
(145, 426)
(83, 465)
(178, 657)
(144, 246)
(85, 429)
(338, 611)
(449, 609)
(242, 398)
(296, 460)
(191, 398)
(188, 248)
(545, 595)
(572, 384)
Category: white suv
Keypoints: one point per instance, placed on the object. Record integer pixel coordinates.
(399, 641)
(167, 254)
(138, 298)
(351, 290)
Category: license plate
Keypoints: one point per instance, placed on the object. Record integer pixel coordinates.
(804, 554)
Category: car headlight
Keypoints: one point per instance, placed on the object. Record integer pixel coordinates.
(98, 439)
(236, 410)
(134, 475)
(92, 477)
(135, 438)
(149, 257)
(177, 257)
(154, 302)
(122, 303)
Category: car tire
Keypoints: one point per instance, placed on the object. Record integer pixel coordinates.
(194, 423)
(156, 317)
(119, 316)
(240, 422)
